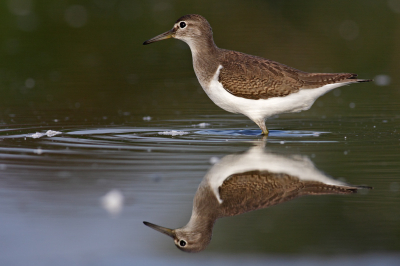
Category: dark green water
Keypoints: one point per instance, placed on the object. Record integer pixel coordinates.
(81, 69)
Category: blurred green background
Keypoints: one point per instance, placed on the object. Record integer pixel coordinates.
(85, 59)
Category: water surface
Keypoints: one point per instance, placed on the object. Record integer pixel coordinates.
(134, 120)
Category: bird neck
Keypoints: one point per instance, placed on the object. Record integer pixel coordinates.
(201, 224)
(204, 213)
(205, 58)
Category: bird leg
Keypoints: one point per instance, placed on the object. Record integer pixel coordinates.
(261, 124)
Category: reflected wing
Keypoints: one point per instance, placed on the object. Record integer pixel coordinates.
(254, 190)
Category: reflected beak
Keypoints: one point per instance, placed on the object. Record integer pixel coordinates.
(166, 231)
(163, 36)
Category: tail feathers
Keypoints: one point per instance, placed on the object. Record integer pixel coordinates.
(353, 77)
(317, 188)
(364, 80)
(363, 187)
(354, 189)
(316, 80)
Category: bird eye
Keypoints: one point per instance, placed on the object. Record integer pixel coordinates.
(182, 243)
(182, 25)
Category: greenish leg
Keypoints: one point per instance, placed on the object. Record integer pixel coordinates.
(261, 124)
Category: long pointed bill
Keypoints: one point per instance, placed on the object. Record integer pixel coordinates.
(166, 231)
(163, 36)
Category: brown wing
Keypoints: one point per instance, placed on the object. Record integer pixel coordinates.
(254, 190)
(254, 77)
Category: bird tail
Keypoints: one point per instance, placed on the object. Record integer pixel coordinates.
(354, 78)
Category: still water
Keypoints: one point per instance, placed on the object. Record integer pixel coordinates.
(99, 133)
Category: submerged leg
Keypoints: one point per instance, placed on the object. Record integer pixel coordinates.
(261, 124)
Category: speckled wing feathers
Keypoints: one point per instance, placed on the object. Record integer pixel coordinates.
(244, 192)
(253, 77)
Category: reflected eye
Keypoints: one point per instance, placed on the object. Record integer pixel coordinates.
(182, 25)
(182, 243)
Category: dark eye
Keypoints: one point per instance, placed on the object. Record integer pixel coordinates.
(182, 243)
(182, 25)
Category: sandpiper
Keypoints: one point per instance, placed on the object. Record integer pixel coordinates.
(245, 182)
(250, 85)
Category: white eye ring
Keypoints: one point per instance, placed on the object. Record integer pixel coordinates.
(182, 24)
(182, 243)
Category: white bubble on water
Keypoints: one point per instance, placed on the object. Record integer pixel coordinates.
(202, 125)
(214, 160)
(49, 133)
(113, 202)
(382, 80)
(38, 151)
(173, 133)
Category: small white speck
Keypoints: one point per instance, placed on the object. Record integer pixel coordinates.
(113, 202)
(374, 126)
(202, 125)
(36, 135)
(55, 120)
(384, 121)
(146, 118)
(38, 151)
(382, 80)
(173, 133)
(345, 152)
(49, 133)
(345, 137)
(214, 160)
(352, 105)
(282, 142)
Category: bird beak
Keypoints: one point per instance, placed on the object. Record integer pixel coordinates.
(166, 231)
(163, 36)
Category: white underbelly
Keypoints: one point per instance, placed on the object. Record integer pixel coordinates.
(264, 108)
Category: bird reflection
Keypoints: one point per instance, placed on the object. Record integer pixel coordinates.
(245, 182)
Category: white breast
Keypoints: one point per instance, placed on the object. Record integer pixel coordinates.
(264, 108)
